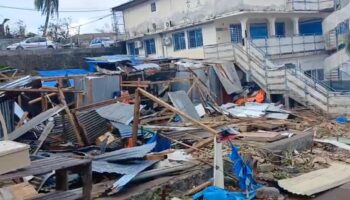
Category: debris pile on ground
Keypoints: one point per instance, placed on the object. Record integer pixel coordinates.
(168, 128)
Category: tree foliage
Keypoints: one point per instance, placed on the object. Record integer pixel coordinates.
(48, 8)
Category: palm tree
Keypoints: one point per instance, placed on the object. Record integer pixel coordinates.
(48, 8)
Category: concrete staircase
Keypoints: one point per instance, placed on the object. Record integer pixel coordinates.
(280, 80)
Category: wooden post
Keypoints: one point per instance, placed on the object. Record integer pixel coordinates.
(3, 126)
(62, 180)
(184, 115)
(135, 125)
(71, 118)
(47, 130)
(86, 176)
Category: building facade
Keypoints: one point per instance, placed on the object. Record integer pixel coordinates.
(258, 36)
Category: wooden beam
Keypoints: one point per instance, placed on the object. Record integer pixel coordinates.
(3, 126)
(136, 121)
(71, 118)
(173, 109)
(40, 98)
(47, 130)
(23, 118)
(30, 90)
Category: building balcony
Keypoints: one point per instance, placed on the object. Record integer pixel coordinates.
(277, 46)
(311, 5)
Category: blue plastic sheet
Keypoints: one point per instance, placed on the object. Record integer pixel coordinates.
(215, 193)
(243, 172)
(162, 143)
(60, 72)
(341, 120)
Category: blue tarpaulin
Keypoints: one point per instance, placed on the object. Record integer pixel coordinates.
(243, 172)
(60, 72)
(162, 143)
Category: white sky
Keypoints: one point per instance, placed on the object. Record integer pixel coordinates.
(33, 19)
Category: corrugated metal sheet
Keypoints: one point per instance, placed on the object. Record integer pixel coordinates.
(103, 87)
(124, 130)
(228, 76)
(92, 124)
(119, 112)
(127, 153)
(182, 102)
(317, 181)
(129, 171)
(35, 121)
(7, 110)
(17, 83)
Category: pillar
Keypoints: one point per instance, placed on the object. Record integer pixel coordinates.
(272, 26)
(296, 25)
(244, 30)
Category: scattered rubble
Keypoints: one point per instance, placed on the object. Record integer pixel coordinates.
(144, 123)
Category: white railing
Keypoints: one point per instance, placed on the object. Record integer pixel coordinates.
(311, 5)
(287, 45)
(275, 79)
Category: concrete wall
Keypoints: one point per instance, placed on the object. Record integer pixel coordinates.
(139, 19)
(209, 38)
(6, 42)
(53, 59)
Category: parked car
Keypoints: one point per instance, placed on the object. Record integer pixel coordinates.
(33, 43)
(102, 42)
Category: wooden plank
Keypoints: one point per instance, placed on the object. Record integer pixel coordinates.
(39, 99)
(62, 180)
(23, 118)
(136, 121)
(3, 126)
(261, 136)
(47, 130)
(86, 176)
(171, 108)
(39, 90)
(44, 166)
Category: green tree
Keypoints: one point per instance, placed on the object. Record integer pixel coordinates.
(48, 8)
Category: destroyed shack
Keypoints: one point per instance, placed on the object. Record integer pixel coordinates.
(135, 128)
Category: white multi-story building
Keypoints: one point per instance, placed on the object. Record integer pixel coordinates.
(259, 36)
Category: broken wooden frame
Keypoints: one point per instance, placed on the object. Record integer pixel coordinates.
(140, 92)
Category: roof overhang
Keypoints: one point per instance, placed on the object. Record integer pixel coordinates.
(128, 4)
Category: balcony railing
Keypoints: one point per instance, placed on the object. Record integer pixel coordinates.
(311, 5)
(287, 45)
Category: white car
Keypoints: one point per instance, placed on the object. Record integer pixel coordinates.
(102, 42)
(33, 43)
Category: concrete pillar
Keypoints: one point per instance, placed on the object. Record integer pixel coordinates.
(296, 25)
(244, 30)
(272, 26)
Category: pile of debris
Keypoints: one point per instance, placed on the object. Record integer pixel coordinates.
(165, 128)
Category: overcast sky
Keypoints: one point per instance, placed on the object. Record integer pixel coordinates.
(34, 19)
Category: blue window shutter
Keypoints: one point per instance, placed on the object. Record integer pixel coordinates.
(280, 29)
(179, 41)
(236, 33)
(311, 27)
(150, 46)
(132, 49)
(195, 38)
(258, 31)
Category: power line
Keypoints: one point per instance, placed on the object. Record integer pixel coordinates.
(61, 11)
(93, 21)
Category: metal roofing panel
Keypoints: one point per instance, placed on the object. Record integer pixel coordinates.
(182, 102)
(35, 121)
(124, 130)
(118, 112)
(7, 110)
(17, 83)
(127, 153)
(106, 167)
(146, 66)
(317, 181)
(92, 124)
(228, 76)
